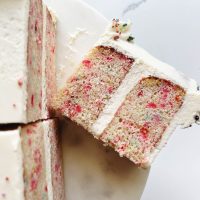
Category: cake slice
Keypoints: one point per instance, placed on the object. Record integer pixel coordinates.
(127, 98)
(31, 163)
(27, 69)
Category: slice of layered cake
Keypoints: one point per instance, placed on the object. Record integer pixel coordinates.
(27, 69)
(127, 98)
(31, 166)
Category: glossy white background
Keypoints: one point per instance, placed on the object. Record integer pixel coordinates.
(170, 30)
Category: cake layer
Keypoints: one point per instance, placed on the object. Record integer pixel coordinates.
(35, 172)
(139, 124)
(88, 91)
(26, 28)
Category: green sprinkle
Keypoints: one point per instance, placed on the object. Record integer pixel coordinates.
(130, 38)
(125, 25)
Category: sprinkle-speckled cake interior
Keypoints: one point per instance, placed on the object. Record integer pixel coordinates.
(138, 126)
(43, 176)
(88, 91)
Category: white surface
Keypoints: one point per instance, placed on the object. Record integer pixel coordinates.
(91, 171)
(11, 166)
(170, 31)
(94, 172)
(13, 22)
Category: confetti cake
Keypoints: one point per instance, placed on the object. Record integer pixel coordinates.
(27, 51)
(32, 166)
(127, 98)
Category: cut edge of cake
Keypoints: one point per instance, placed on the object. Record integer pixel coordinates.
(118, 37)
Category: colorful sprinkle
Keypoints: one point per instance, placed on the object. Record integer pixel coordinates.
(144, 133)
(87, 63)
(151, 105)
(20, 82)
(78, 108)
(28, 131)
(32, 100)
(33, 184)
(46, 189)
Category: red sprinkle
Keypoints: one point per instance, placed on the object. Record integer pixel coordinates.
(140, 93)
(110, 90)
(57, 167)
(36, 25)
(46, 189)
(162, 105)
(166, 90)
(20, 82)
(151, 105)
(78, 108)
(32, 100)
(33, 184)
(109, 58)
(37, 156)
(87, 63)
(144, 133)
(87, 87)
(30, 61)
(28, 131)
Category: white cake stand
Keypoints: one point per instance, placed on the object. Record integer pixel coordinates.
(92, 172)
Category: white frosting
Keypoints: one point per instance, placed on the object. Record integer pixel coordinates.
(146, 65)
(76, 34)
(13, 54)
(11, 167)
(47, 145)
